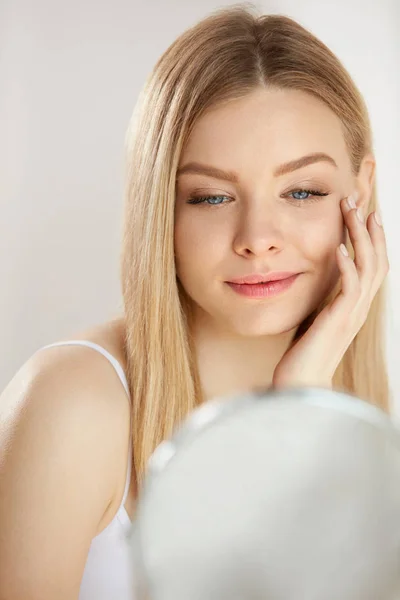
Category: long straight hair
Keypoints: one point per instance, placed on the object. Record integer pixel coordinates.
(225, 56)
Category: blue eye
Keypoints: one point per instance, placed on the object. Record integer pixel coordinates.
(204, 199)
(306, 196)
(308, 193)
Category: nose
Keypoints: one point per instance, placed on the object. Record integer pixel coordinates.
(260, 231)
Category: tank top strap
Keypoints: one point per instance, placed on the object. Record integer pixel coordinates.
(115, 363)
(121, 374)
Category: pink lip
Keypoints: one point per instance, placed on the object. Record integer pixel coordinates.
(263, 277)
(263, 290)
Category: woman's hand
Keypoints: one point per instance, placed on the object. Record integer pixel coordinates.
(313, 359)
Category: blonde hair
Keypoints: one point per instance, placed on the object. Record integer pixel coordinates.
(224, 56)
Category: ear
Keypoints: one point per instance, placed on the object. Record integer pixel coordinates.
(365, 179)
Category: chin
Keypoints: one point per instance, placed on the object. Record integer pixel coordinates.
(262, 326)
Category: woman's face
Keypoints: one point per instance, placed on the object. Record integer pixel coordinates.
(263, 221)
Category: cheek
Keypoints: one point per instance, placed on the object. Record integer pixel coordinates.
(320, 238)
(198, 247)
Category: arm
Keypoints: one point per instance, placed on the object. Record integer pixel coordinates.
(60, 443)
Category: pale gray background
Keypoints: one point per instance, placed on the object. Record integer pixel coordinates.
(70, 73)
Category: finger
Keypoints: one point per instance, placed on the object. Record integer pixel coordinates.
(350, 290)
(378, 239)
(365, 258)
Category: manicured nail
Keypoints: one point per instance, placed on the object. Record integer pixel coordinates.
(377, 217)
(343, 249)
(360, 215)
(351, 202)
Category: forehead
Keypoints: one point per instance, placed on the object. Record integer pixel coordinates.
(270, 126)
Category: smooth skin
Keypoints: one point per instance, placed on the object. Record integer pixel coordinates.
(64, 418)
(315, 357)
(64, 433)
(264, 222)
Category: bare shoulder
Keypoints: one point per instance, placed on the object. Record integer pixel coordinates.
(72, 378)
(64, 430)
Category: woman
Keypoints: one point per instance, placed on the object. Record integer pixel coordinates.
(247, 141)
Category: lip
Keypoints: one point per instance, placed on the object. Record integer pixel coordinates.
(264, 290)
(263, 277)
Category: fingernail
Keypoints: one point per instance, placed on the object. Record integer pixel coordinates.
(378, 218)
(351, 203)
(360, 215)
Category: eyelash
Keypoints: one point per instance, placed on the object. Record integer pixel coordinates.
(315, 193)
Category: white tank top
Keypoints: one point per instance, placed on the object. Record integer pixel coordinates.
(108, 573)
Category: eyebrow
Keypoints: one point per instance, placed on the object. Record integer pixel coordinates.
(289, 167)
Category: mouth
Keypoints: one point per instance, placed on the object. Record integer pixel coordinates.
(259, 278)
(264, 289)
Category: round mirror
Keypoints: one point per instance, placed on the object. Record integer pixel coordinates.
(279, 495)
